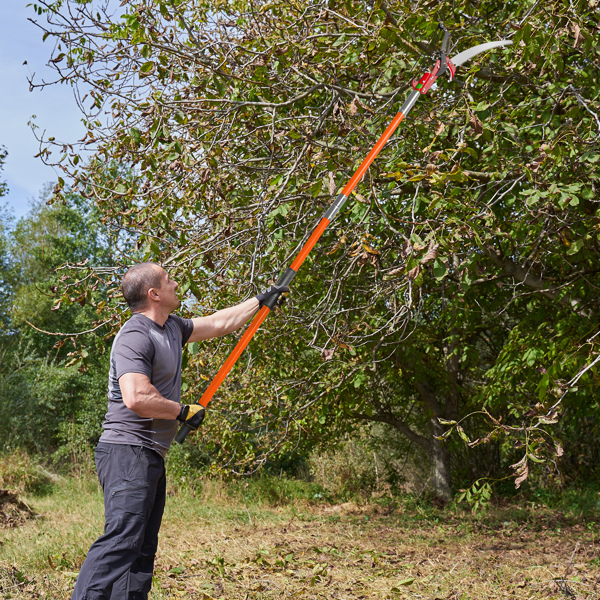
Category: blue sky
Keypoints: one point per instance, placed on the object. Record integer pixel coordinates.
(55, 108)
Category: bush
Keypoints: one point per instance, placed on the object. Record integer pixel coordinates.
(38, 395)
(75, 456)
(22, 475)
(377, 463)
(571, 501)
(268, 490)
(186, 464)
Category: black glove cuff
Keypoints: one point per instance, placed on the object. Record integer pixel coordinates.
(183, 413)
(271, 296)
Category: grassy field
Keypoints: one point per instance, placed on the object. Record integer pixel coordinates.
(228, 542)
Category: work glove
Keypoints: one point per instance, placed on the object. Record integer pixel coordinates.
(192, 415)
(272, 296)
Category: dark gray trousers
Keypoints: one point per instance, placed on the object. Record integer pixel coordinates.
(120, 563)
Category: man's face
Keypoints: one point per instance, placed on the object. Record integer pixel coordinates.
(168, 291)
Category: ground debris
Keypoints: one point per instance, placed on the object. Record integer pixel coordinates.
(346, 554)
(353, 552)
(13, 512)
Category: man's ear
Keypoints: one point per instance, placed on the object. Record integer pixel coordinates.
(152, 294)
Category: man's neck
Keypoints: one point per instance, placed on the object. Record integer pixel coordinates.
(157, 315)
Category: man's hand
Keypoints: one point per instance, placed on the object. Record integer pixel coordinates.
(192, 415)
(266, 297)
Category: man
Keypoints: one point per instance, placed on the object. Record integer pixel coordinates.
(144, 412)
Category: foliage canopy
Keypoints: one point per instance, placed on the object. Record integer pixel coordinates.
(463, 272)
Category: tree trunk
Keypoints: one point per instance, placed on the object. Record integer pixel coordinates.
(441, 481)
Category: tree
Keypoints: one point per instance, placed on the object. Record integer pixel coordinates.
(472, 238)
(47, 398)
(5, 220)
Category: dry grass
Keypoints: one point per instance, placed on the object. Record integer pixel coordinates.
(212, 546)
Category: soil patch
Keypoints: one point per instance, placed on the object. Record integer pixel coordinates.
(13, 512)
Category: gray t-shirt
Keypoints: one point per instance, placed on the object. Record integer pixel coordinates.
(143, 346)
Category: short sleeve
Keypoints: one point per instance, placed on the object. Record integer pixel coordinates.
(133, 352)
(186, 326)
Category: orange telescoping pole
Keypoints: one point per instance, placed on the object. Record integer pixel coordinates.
(420, 87)
(289, 274)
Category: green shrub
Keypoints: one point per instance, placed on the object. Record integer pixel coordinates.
(375, 464)
(186, 465)
(20, 474)
(572, 501)
(75, 456)
(269, 490)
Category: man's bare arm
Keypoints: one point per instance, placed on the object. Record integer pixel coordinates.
(140, 396)
(223, 321)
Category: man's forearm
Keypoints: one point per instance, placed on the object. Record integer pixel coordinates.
(223, 321)
(146, 401)
(232, 318)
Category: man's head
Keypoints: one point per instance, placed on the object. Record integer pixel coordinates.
(147, 283)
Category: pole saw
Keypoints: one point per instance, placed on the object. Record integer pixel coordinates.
(442, 66)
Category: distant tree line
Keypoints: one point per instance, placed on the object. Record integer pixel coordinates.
(46, 403)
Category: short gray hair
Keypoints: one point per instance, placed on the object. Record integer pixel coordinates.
(137, 281)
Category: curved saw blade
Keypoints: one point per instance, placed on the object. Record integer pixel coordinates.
(466, 55)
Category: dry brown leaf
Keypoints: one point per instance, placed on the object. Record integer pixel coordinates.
(341, 344)
(521, 471)
(577, 33)
(370, 250)
(475, 124)
(414, 273)
(336, 247)
(431, 254)
(327, 354)
(331, 183)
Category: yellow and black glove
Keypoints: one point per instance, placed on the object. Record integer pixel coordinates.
(192, 415)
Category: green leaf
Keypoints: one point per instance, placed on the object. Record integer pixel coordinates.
(536, 459)
(164, 11)
(543, 386)
(462, 434)
(439, 269)
(222, 89)
(315, 190)
(147, 67)
(575, 247)
(176, 570)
